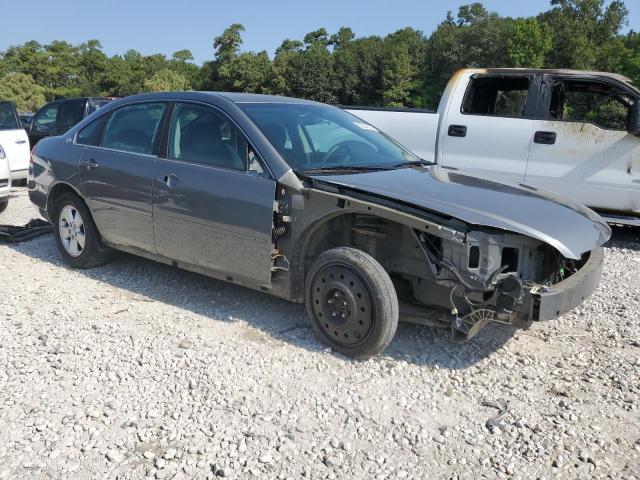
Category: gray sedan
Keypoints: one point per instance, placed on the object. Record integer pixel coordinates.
(309, 203)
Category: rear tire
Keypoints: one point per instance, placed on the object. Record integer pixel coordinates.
(4, 204)
(351, 302)
(76, 235)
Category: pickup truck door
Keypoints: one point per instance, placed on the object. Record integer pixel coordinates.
(212, 200)
(487, 128)
(580, 147)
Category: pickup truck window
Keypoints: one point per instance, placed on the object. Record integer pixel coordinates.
(133, 128)
(496, 96)
(590, 102)
(7, 117)
(45, 119)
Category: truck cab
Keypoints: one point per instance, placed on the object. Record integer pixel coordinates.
(55, 118)
(572, 133)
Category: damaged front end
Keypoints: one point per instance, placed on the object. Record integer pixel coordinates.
(504, 278)
(459, 267)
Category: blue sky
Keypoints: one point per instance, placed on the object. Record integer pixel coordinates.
(159, 26)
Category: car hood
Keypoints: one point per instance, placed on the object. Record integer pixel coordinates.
(569, 227)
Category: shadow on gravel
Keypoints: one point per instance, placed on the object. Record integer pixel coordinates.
(277, 318)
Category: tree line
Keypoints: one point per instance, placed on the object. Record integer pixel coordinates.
(404, 68)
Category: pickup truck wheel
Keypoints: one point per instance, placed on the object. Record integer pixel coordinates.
(351, 302)
(3, 205)
(76, 235)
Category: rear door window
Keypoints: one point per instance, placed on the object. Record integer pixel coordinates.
(134, 128)
(497, 96)
(598, 103)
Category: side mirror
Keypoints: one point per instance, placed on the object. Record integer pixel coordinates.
(634, 119)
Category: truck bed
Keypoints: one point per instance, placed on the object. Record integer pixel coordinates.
(414, 129)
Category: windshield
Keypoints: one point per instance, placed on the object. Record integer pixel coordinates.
(320, 137)
(8, 119)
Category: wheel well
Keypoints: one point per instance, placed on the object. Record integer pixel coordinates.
(392, 244)
(55, 193)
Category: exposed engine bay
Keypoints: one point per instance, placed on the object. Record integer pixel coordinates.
(446, 274)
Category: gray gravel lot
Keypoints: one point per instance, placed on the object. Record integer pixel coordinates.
(137, 369)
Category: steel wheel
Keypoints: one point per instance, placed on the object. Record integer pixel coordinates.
(343, 305)
(72, 230)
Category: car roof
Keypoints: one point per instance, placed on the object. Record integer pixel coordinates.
(235, 97)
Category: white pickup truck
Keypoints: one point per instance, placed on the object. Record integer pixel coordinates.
(573, 133)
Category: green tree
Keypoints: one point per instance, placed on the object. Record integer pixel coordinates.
(249, 72)
(227, 45)
(581, 29)
(309, 72)
(20, 89)
(165, 80)
(528, 42)
(92, 64)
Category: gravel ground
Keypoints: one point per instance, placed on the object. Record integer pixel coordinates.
(137, 369)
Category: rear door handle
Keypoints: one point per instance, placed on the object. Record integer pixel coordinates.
(171, 180)
(457, 130)
(20, 142)
(89, 164)
(545, 138)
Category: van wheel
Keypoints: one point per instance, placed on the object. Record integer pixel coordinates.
(76, 235)
(351, 302)
(3, 205)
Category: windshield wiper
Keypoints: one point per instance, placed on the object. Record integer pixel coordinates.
(411, 163)
(346, 168)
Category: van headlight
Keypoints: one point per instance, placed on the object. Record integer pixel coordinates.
(2, 154)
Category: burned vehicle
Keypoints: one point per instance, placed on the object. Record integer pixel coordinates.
(306, 202)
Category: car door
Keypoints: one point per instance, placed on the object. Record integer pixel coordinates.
(489, 135)
(14, 141)
(44, 123)
(581, 148)
(212, 199)
(116, 172)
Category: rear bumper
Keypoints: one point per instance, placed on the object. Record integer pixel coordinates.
(551, 302)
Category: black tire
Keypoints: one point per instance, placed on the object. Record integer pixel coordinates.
(3, 205)
(93, 253)
(351, 302)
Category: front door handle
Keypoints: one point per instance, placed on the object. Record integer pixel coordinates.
(171, 180)
(89, 164)
(545, 138)
(457, 130)
(20, 142)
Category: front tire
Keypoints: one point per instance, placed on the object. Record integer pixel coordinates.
(351, 302)
(3, 205)
(76, 235)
